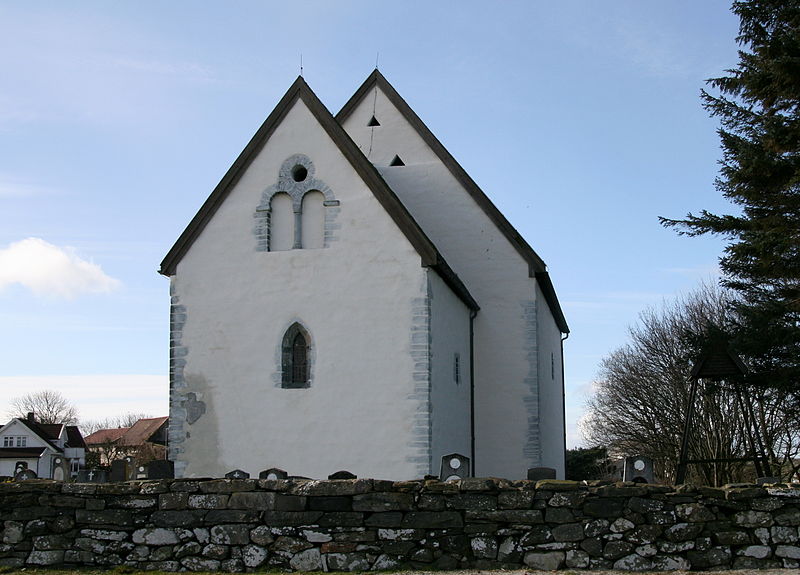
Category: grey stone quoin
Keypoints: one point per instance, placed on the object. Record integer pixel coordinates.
(366, 524)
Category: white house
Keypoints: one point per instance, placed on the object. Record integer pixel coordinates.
(51, 451)
(349, 298)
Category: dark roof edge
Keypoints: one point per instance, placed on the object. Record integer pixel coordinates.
(391, 203)
(536, 266)
(388, 199)
(549, 292)
(34, 427)
(535, 263)
(454, 283)
(233, 174)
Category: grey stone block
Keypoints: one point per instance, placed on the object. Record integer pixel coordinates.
(257, 500)
(432, 520)
(383, 501)
(308, 560)
(550, 561)
(568, 532)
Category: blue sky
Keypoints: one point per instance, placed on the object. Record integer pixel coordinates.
(580, 119)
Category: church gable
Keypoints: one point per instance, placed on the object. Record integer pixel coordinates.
(413, 161)
(290, 191)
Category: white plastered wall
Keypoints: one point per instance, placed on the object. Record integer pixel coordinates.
(450, 400)
(508, 434)
(355, 298)
(40, 465)
(551, 385)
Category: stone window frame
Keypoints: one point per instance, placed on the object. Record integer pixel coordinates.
(287, 184)
(288, 369)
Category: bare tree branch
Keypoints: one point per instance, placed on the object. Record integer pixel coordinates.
(47, 406)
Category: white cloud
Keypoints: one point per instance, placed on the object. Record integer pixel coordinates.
(52, 271)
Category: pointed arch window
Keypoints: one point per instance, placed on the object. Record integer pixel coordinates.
(295, 360)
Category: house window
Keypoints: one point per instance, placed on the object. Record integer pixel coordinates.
(457, 369)
(15, 441)
(295, 364)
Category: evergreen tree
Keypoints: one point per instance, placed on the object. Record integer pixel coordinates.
(758, 104)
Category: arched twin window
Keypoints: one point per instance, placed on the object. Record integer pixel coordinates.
(298, 211)
(296, 358)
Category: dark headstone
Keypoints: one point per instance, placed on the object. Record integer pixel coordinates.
(237, 474)
(273, 473)
(454, 466)
(767, 480)
(160, 469)
(24, 475)
(92, 476)
(342, 475)
(119, 470)
(139, 471)
(639, 469)
(537, 473)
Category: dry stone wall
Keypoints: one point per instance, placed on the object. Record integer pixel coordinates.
(365, 524)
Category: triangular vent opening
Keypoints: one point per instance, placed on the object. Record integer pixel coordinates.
(397, 162)
(373, 122)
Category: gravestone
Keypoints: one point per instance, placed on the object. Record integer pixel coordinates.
(160, 469)
(140, 471)
(92, 476)
(342, 475)
(119, 470)
(639, 469)
(767, 480)
(25, 474)
(58, 468)
(237, 474)
(538, 473)
(273, 473)
(454, 466)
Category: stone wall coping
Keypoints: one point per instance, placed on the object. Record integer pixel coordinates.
(345, 487)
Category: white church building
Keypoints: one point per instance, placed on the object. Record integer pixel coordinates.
(348, 298)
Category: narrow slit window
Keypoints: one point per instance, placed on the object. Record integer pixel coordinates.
(299, 361)
(281, 232)
(313, 220)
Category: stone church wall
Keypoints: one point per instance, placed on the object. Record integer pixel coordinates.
(364, 524)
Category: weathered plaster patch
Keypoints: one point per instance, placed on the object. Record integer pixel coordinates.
(194, 408)
(532, 451)
(421, 432)
(177, 383)
(296, 190)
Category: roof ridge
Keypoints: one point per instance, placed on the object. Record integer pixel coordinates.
(536, 266)
(35, 428)
(366, 171)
